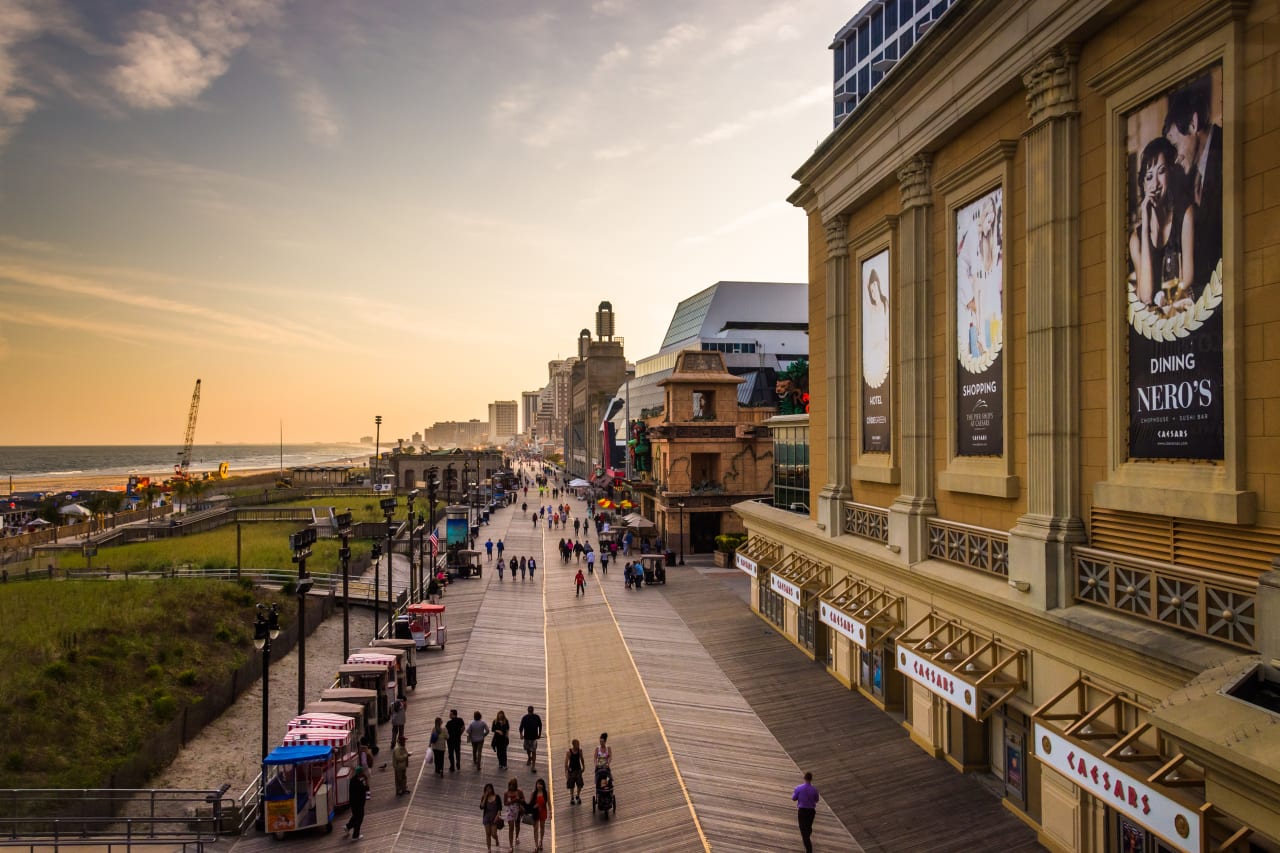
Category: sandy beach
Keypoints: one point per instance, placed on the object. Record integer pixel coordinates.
(109, 482)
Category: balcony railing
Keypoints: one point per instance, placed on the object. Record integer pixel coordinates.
(869, 522)
(1205, 604)
(972, 547)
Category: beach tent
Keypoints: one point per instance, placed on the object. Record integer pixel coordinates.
(75, 510)
(637, 521)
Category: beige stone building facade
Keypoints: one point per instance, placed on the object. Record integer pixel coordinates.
(1045, 417)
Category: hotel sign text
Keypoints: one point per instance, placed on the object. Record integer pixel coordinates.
(843, 623)
(785, 588)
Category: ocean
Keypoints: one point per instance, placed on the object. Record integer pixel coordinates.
(108, 460)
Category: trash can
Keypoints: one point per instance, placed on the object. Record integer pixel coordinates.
(671, 557)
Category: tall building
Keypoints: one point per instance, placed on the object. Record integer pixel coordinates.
(530, 402)
(560, 385)
(504, 420)
(1041, 530)
(597, 373)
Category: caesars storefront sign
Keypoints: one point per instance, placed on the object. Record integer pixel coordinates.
(746, 564)
(939, 682)
(843, 624)
(785, 588)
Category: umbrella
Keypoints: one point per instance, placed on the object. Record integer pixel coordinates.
(637, 521)
(578, 483)
(74, 509)
(625, 504)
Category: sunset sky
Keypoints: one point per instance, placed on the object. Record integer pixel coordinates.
(332, 209)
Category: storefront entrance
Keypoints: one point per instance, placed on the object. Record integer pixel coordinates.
(704, 527)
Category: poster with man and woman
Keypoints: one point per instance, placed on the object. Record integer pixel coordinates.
(1173, 242)
(875, 353)
(980, 326)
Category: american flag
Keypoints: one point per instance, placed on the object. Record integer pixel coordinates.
(435, 541)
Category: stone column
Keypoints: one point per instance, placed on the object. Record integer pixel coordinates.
(839, 364)
(1040, 542)
(912, 380)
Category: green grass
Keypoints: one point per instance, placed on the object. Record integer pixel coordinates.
(262, 546)
(363, 507)
(89, 669)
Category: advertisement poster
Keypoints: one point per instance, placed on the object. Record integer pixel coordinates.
(980, 326)
(456, 532)
(876, 354)
(1173, 148)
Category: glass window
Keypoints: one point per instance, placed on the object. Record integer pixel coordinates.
(891, 16)
(864, 82)
(839, 59)
(905, 42)
(877, 28)
(864, 42)
(851, 53)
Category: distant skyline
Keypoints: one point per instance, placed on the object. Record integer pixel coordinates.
(337, 209)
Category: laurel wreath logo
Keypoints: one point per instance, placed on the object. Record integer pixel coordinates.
(1153, 324)
(982, 362)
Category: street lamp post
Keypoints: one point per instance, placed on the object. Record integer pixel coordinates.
(343, 522)
(266, 627)
(412, 497)
(300, 543)
(681, 505)
(388, 510)
(376, 556)
(377, 449)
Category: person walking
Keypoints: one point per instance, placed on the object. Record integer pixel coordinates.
(437, 742)
(513, 802)
(476, 733)
(490, 806)
(400, 765)
(580, 583)
(532, 566)
(604, 560)
(501, 729)
(455, 727)
(397, 721)
(359, 793)
(530, 731)
(524, 564)
(535, 523)
(806, 799)
(501, 566)
(591, 562)
(500, 547)
(540, 807)
(433, 590)
(573, 764)
(514, 566)
(488, 549)
(577, 552)
(577, 526)
(604, 755)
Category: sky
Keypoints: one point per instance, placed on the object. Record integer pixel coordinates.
(328, 210)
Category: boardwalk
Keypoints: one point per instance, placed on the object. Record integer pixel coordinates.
(706, 746)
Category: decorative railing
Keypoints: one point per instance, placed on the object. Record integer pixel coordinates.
(869, 522)
(1202, 603)
(972, 547)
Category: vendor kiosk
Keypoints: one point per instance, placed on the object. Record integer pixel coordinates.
(346, 755)
(297, 788)
(370, 676)
(410, 649)
(354, 709)
(426, 624)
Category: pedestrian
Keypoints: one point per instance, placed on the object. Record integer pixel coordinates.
(580, 582)
(535, 524)
(488, 549)
(501, 566)
(806, 798)
(490, 805)
(548, 522)
(573, 763)
(433, 590)
(540, 807)
(577, 552)
(626, 574)
(524, 507)
(359, 793)
(365, 759)
(501, 729)
(530, 731)
(532, 566)
(514, 565)
(604, 560)
(400, 764)
(591, 562)
(437, 742)
(397, 720)
(604, 755)
(476, 733)
(577, 526)
(557, 519)
(455, 727)
(524, 565)
(500, 547)
(513, 802)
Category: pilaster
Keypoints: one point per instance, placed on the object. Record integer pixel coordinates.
(910, 511)
(1040, 542)
(839, 363)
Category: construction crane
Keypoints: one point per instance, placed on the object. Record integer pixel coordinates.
(184, 457)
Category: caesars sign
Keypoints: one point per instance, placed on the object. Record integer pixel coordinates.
(1173, 148)
(979, 289)
(875, 354)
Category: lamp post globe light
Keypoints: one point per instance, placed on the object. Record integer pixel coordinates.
(681, 505)
(344, 526)
(388, 510)
(300, 543)
(377, 450)
(266, 627)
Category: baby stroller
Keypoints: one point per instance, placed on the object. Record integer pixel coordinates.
(603, 798)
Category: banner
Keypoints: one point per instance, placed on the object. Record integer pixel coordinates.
(979, 290)
(1173, 147)
(456, 532)
(876, 354)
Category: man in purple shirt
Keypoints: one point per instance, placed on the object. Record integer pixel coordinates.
(806, 797)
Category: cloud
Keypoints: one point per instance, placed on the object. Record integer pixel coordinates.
(672, 42)
(616, 56)
(170, 59)
(608, 7)
(18, 25)
(617, 152)
(728, 130)
(749, 218)
(774, 25)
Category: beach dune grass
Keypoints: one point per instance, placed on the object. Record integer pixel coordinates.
(263, 547)
(90, 670)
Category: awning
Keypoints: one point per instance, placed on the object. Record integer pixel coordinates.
(972, 672)
(796, 573)
(757, 553)
(1104, 742)
(863, 613)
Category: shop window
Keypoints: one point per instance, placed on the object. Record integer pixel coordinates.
(806, 625)
(704, 406)
(871, 671)
(772, 605)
